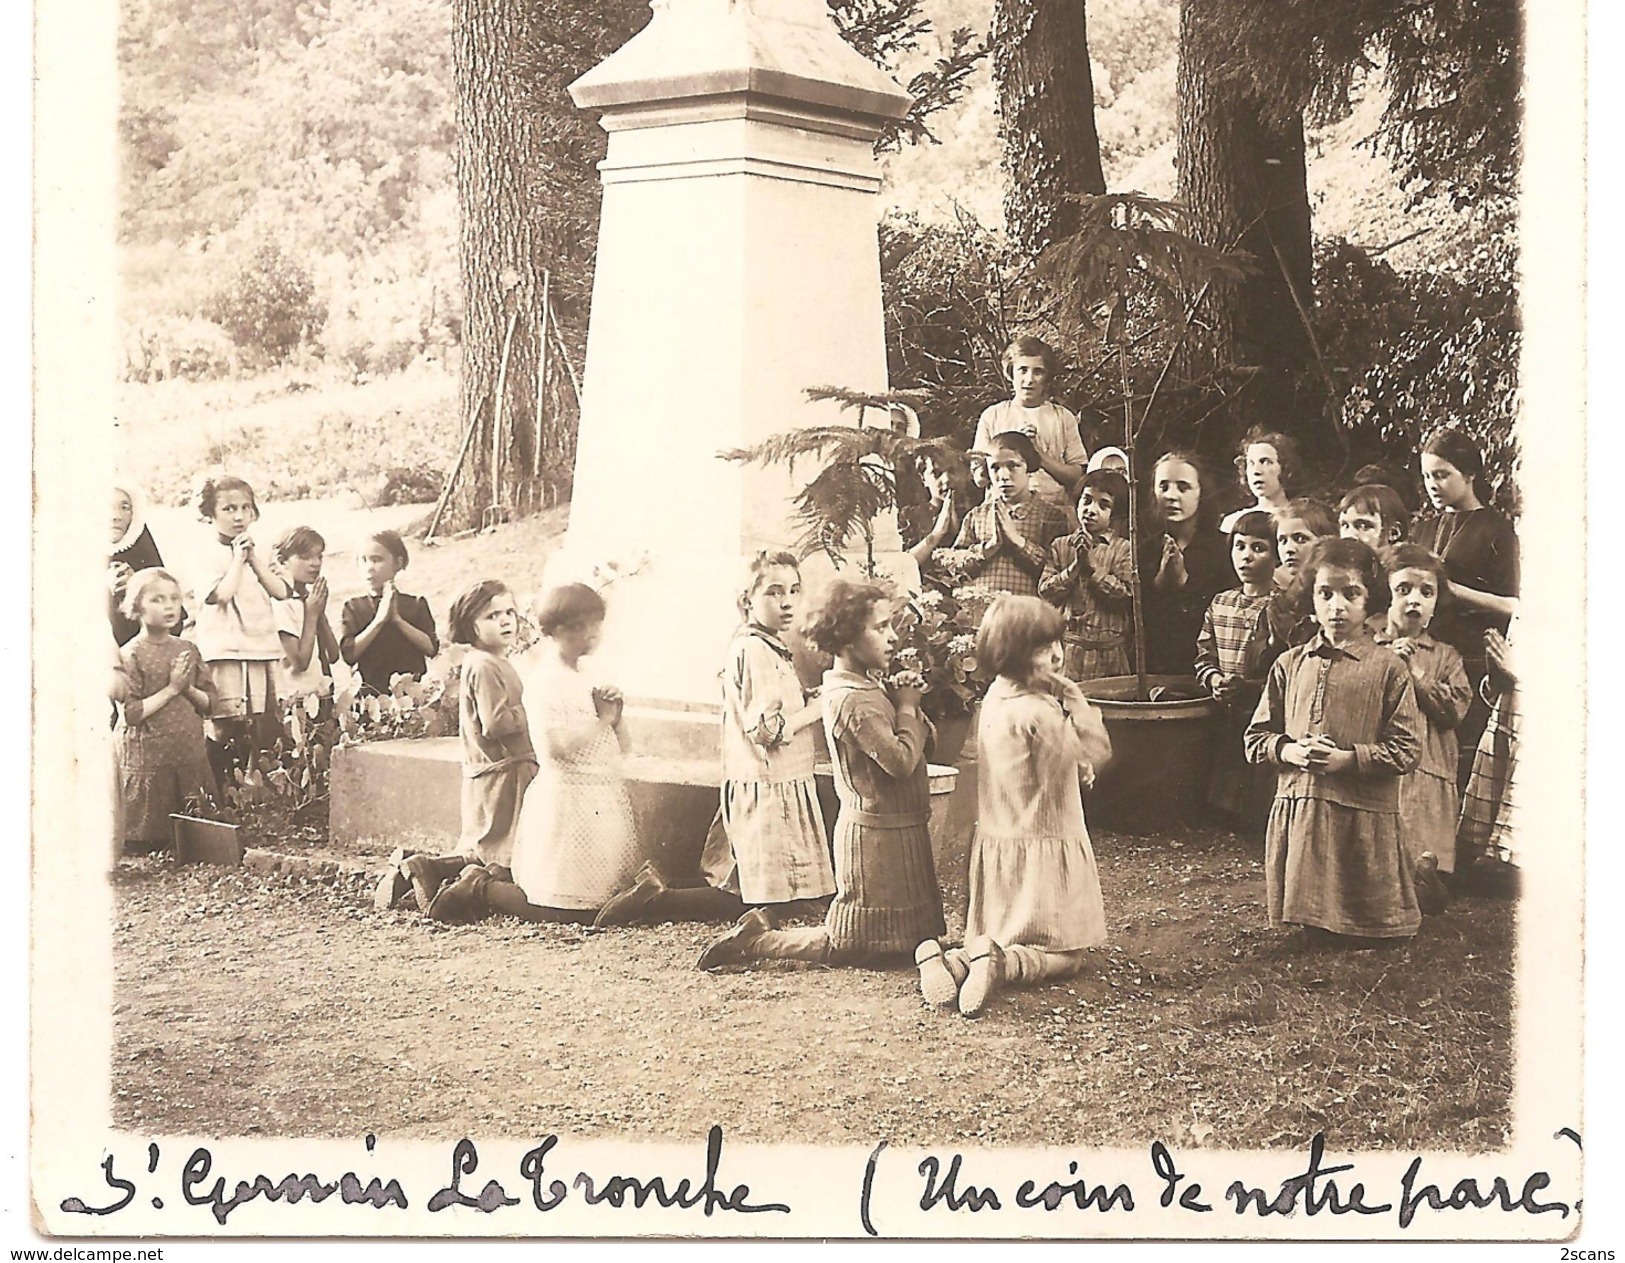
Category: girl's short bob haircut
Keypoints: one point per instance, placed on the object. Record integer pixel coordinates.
(1256, 524)
(839, 616)
(469, 606)
(567, 605)
(756, 570)
(1286, 456)
(212, 486)
(1013, 630)
(394, 545)
(1344, 554)
(1384, 501)
(1028, 347)
(301, 541)
(1017, 442)
(1317, 515)
(1207, 505)
(1111, 483)
(137, 586)
(1415, 557)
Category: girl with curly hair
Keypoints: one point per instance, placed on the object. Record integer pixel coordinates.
(886, 895)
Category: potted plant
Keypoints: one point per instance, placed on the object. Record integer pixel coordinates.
(1131, 262)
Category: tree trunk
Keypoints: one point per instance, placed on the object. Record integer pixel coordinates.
(500, 261)
(1046, 116)
(1242, 177)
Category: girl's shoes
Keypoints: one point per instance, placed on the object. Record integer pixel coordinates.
(394, 885)
(1430, 887)
(463, 899)
(986, 972)
(733, 948)
(627, 908)
(939, 984)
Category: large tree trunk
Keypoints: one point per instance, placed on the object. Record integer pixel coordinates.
(1046, 116)
(499, 258)
(1242, 177)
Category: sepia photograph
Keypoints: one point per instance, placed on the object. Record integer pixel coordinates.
(831, 619)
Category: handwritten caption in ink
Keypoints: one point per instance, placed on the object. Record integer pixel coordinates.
(938, 1185)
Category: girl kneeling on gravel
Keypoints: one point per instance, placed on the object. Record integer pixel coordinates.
(886, 893)
(1035, 903)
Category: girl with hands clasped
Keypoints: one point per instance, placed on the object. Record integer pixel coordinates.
(1339, 720)
(236, 628)
(164, 694)
(576, 845)
(309, 647)
(388, 632)
(1428, 801)
(1183, 562)
(1035, 904)
(767, 844)
(886, 893)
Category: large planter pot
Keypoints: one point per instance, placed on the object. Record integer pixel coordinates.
(951, 735)
(1161, 753)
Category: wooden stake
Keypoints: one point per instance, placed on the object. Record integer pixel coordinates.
(451, 478)
(496, 424)
(541, 380)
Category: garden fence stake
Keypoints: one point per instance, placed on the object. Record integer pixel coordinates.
(502, 395)
(451, 478)
(541, 380)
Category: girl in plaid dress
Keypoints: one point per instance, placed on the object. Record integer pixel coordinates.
(1486, 808)
(1088, 577)
(1233, 654)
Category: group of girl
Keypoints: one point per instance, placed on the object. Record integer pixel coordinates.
(1227, 601)
(206, 653)
(1354, 653)
(548, 833)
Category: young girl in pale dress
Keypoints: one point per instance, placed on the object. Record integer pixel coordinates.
(1035, 904)
(164, 694)
(1339, 720)
(768, 845)
(576, 845)
(234, 585)
(1428, 803)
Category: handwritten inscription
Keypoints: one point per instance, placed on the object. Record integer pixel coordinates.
(614, 1189)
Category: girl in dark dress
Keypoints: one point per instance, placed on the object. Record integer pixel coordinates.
(1184, 561)
(1480, 553)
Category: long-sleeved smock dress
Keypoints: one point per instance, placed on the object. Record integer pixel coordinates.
(1033, 879)
(162, 759)
(499, 761)
(1429, 806)
(887, 900)
(770, 815)
(1333, 856)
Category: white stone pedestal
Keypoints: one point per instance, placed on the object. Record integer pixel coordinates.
(737, 266)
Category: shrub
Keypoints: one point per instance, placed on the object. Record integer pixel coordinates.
(269, 307)
(168, 347)
(1425, 349)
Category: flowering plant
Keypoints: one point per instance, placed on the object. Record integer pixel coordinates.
(937, 642)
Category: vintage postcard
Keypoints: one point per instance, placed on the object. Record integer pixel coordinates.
(917, 620)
